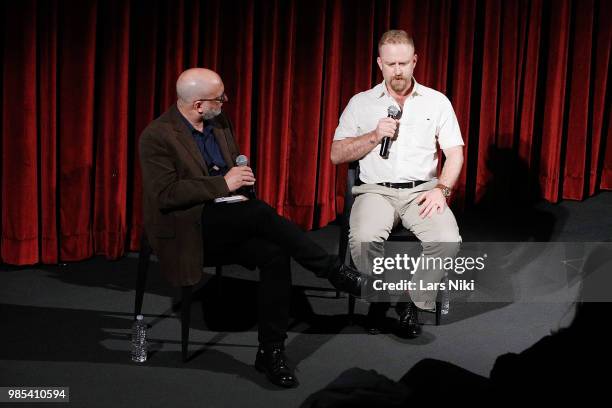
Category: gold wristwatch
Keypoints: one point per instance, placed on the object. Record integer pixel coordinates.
(446, 192)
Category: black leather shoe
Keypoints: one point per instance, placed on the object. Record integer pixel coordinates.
(409, 326)
(273, 363)
(349, 280)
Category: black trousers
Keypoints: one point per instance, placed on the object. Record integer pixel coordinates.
(252, 234)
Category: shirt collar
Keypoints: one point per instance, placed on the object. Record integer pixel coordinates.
(193, 130)
(383, 91)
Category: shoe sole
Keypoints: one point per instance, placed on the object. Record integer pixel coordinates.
(263, 371)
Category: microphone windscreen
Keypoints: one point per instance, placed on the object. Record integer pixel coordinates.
(393, 111)
(242, 160)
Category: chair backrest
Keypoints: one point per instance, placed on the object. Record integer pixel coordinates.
(351, 180)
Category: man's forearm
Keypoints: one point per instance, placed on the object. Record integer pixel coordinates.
(452, 168)
(352, 148)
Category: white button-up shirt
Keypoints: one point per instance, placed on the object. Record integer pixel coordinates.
(428, 117)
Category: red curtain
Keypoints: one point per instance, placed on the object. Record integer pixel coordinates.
(81, 79)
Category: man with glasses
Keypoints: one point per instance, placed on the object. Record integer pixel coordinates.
(187, 157)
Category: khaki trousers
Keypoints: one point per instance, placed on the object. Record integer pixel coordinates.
(378, 209)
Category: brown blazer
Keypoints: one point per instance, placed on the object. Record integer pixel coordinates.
(176, 186)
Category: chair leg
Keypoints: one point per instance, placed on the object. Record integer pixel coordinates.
(185, 320)
(351, 299)
(351, 308)
(219, 274)
(141, 280)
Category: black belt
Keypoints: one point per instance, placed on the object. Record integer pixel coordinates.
(410, 184)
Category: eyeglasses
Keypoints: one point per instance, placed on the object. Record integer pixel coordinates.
(221, 99)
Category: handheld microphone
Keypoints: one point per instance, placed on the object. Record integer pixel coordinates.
(242, 160)
(392, 112)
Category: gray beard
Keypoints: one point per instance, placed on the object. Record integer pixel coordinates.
(208, 115)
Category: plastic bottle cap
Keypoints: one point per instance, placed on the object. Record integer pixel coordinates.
(139, 317)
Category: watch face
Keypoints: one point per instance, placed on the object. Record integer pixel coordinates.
(446, 192)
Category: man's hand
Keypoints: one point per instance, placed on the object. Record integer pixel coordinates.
(386, 128)
(430, 201)
(239, 176)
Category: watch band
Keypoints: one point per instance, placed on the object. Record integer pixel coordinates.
(446, 192)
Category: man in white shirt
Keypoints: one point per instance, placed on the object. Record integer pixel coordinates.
(401, 186)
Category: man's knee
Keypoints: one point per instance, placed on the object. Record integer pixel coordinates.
(443, 248)
(443, 239)
(446, 235)
(439, 228)
(260, 213)
(443, 229)
(261, 207)
(367, 233)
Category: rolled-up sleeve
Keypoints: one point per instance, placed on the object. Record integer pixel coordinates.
(449, 134)
(348, 125)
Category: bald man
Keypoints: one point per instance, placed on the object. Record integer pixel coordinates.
(187, 157)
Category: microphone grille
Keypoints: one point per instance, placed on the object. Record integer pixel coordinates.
(393, 111)
(242, 160)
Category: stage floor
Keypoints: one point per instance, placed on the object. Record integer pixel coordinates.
(69, 326)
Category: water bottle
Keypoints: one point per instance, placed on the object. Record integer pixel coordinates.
(139, 340)
(445, 302)
(445, 298)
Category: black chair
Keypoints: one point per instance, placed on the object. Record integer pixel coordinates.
(399, 233)
(186, 292)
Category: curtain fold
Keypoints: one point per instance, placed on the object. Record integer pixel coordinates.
(529, 81)
(19, 151)
(77, 24)
(111, 133)
(47, 125)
